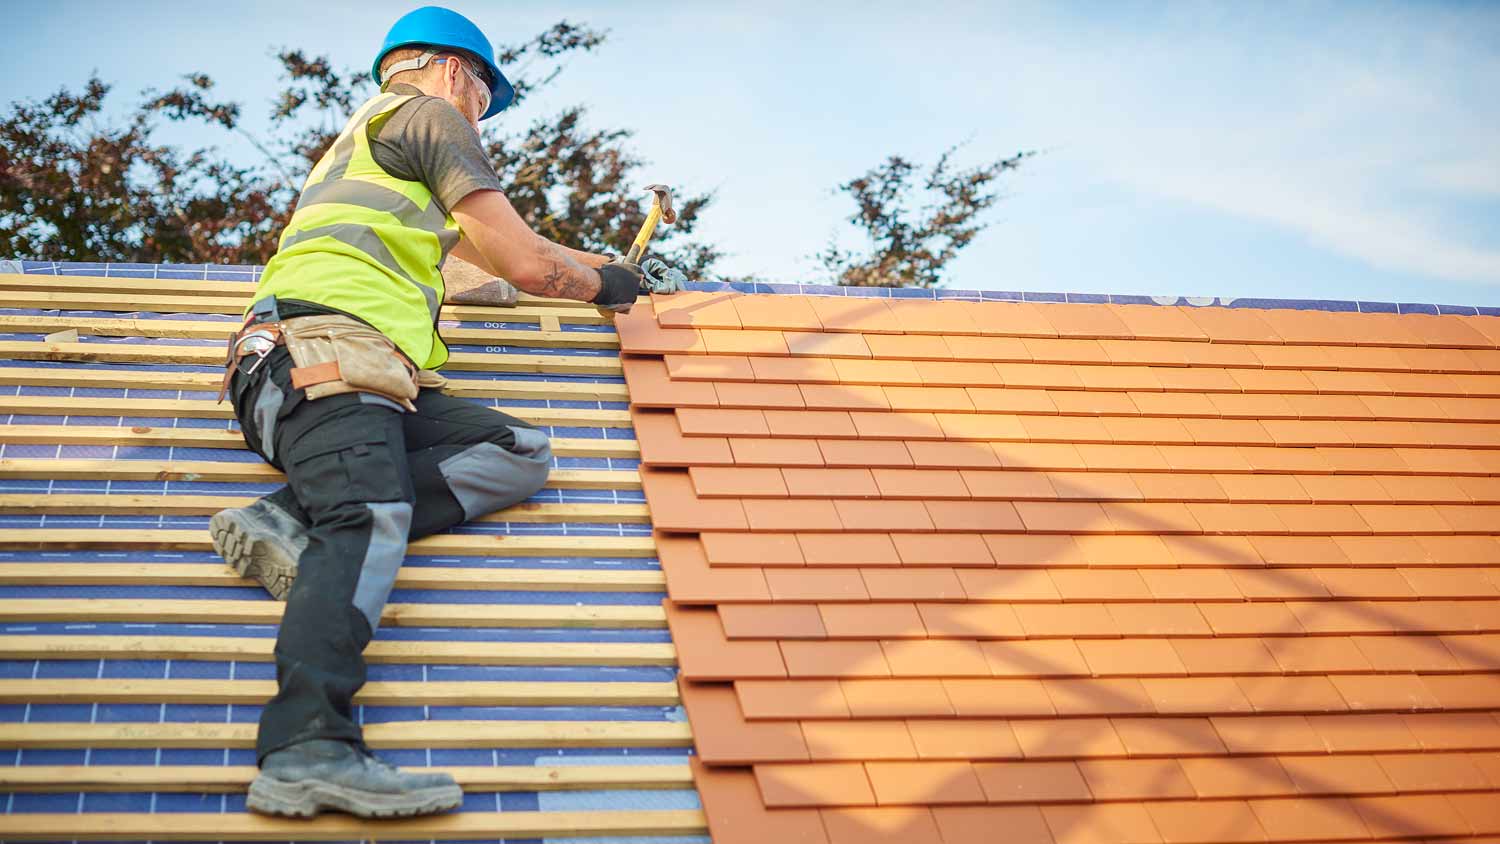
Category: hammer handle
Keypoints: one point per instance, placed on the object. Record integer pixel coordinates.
(647, 228)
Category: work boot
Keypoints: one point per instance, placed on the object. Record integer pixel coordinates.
(261, 541)
(301, 780)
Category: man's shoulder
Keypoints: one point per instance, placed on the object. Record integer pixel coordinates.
(423, 116)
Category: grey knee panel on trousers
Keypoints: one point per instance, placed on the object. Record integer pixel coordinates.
(377, 575)
(486, 477)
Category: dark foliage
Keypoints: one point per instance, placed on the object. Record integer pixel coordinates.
(915, 224)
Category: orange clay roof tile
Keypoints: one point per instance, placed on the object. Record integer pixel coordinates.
(736, 814)
(851, 658)
(664, 444)
(963, 739)
(827, 740)
(793, 370)
(696, 310)
(844, 397)
(830, 483)
(1084, 737)
(856, 825)
(758, 395)
(743, 342)
(944, 373)
(776, 312)
(925, 783)
(940, 317)
(1156, 322)
(987, 698)
(767, 451)
(908, 347)
(819, 344)
(770, 700)
(815, 585)
(704, 649)
(927, 584)
(1011, 319)
(1224, 820)
(989, 350)
(1032, 782)
(771, 621)
(651, 386)
(897, 698)
(895, 425)
(864, 453)
(675, 505)
(641, 334)
(823, 784)
(872, 621)
(855, 314)
(848, 549)
(705, 368)
(694, 580)
(1120, 779)
(720, 422)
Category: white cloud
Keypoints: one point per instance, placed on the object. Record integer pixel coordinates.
(1476, 177)
(1358, 142)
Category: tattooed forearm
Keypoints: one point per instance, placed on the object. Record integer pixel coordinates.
(588, 259)
(561, 276)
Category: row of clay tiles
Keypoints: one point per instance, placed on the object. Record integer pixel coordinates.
(874, 316)
(971, 572)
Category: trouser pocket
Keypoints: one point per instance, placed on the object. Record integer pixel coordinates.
(326, 472)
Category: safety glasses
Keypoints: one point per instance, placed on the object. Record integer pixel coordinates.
(484, 87)
(430, 56)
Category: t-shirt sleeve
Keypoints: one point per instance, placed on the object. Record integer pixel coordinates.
(428, 141)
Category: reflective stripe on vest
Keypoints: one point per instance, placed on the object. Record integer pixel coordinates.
(367, 243)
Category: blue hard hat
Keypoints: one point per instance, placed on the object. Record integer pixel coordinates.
(435, 26)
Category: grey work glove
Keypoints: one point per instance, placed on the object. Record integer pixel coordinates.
(662, 279)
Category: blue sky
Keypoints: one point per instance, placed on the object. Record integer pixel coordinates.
(1310, 150)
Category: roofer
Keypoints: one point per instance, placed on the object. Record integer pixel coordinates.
(333, 381)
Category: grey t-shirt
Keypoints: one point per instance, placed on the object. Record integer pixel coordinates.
(428, 141)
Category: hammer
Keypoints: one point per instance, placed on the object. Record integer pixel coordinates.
(661, 209)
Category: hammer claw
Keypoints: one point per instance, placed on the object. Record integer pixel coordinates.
(664, 198)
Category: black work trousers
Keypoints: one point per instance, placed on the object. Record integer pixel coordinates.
(365, 476)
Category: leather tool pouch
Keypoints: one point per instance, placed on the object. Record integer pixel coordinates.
(431, 379)
(335, 354)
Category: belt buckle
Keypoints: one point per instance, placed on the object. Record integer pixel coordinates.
(258, 343)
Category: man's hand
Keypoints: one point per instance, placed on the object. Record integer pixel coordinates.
(661, 278)
(620, 285)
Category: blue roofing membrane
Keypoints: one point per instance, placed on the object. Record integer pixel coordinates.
(165, 802)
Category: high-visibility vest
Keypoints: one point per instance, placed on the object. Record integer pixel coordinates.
(367, 243)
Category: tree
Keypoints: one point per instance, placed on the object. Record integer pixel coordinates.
(74, 187)
(913, 236)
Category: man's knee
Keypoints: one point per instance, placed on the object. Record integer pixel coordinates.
(488, 476)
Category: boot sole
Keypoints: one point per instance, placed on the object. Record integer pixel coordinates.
(306, 798)
(248, 549)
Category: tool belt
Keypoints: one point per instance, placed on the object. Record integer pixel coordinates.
(333, 354)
